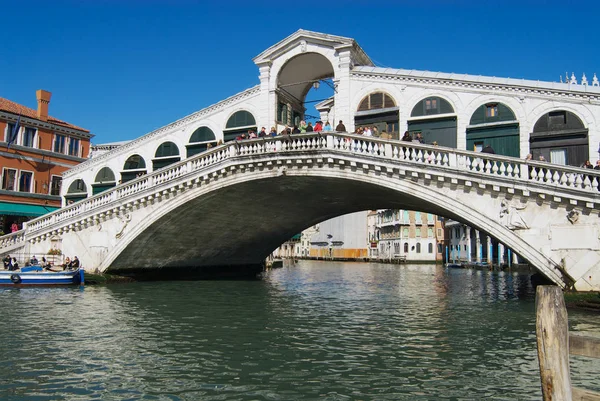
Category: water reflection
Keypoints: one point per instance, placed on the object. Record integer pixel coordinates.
(311, 331)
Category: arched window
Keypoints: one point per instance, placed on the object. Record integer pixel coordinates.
(239, 123)
(430, 247)
(105, 179)
(77, 191)
(406, 247)
(442, 130)
(378, 110)
(561, 138)
(494, 124)
(200, 140)
(418, 247)
(377, 100)
(134, 166)
(167, 153)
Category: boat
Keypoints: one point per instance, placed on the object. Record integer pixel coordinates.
(454, 265)
(36, 275)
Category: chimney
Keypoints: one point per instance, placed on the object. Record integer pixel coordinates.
(43, 98)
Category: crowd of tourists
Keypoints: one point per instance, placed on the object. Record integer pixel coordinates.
(12, 264)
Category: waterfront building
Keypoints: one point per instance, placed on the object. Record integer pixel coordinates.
(35, 150)
(343, 238)
(407, 235)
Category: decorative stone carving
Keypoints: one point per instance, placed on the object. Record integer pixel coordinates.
(125, 219)
(584, 80)
(573, 79)
(303, 46)
(510, 216)
(595, 81)
(573, 216)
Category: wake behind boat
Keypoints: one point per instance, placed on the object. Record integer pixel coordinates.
(35, 275)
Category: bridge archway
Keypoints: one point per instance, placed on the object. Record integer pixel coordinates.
(134, 166)
(379, 109)
(435, 118)
(560, 137)
(296, 77)
(105, 179)
(166, 153)
(494, 124)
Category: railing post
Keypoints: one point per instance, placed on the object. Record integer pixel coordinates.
(553, 343)
(388, 150)
(452, 159)
(329, 141)
(524, 171)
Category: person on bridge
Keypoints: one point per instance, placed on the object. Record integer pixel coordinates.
(327, 127)
(310, 128)
(262, 133)
(319, 126)
(341, 127)
(273, 132)
(587, 164)
(597, 166)
(14, 227)
(407, 137)
(488, 149)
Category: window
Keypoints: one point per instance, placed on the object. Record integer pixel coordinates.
(418, 219)
(396, 248)
(558, 156)
(55, 185)
(375, 101)
(430, 247)
(8, 179)
(29, 137)
(418, 247)
(405, 232)
(439, 248)
(491, 110)
(430, 104)
(282, 113)
(9, 129)
(60, 142)
(557, 118)
(440, 233)
(74, 147)
(429, 232)
(25, 181)
(418, 232)
(406, 247)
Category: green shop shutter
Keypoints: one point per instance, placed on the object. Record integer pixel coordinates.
(23, 209)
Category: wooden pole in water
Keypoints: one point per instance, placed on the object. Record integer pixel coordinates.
(553, 343)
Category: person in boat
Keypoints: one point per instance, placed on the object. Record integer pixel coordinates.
(7, 262)
(74, 263)
(33, 261)
(14, 265)
(66, 263)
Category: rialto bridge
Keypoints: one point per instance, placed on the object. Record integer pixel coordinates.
(176, 198)
(233, 204)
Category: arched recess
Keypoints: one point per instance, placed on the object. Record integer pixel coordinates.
(560, 137)
(494, 124)
(200, 140)
(435, 118)
(379, 109)
(167, 153)
(134, 166)
(296, 77)
(105, 179)
(239, 123)
(76, 192)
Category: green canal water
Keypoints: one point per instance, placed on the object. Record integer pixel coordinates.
(312, 331)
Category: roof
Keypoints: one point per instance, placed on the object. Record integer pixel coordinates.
(16, 108)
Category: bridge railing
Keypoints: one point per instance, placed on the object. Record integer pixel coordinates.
(481, 164)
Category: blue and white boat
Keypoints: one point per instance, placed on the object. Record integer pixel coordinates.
(35, 275)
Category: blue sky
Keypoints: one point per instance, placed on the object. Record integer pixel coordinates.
(124, 68)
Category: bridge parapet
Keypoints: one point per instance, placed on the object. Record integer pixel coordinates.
(570, 185)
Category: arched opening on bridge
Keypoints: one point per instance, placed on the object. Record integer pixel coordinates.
(167, 153)
(494, 124)
(134, 166)
(379, 110)
(77, 191)
(105, 179)
(435, 119)
(561, 138)
(239, 123)
(300, 75)
(200, 140)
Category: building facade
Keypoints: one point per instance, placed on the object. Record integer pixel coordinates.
(35, 150)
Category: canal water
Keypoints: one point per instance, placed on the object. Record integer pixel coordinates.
(311, 331)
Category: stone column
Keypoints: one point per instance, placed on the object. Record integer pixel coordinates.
(469, 244)
(266, 110)
(478, 245)
(342, 95)
(490, 250)
(500, 253)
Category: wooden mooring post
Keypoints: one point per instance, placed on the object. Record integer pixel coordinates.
(554, 343)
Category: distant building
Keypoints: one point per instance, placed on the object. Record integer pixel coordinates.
(405, 234)
(35, 150)
(343, 237)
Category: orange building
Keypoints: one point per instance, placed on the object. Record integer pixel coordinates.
(35, 149)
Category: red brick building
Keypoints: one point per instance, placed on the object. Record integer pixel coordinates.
(32, 164)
